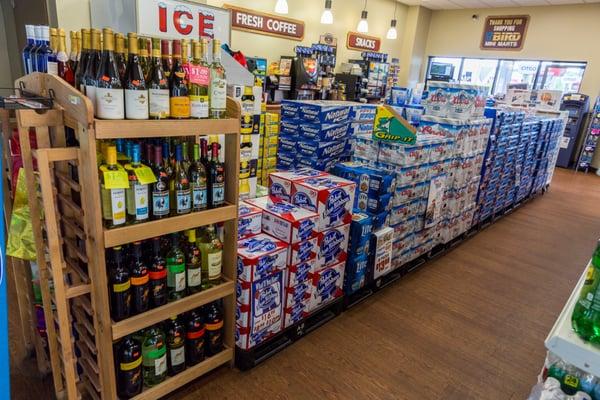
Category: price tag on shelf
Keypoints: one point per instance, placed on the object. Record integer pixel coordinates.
(115, 179)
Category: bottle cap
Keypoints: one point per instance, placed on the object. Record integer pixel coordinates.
(165, 47)
(45, 32)
(191, 235)
(37, 32)
(111, 156)
(30, 31)
(136, 154)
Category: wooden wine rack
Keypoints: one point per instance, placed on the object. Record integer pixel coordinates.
(71, 239)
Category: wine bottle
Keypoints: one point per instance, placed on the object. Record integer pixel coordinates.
(113, 200)
(158, 275)
(26, 53)
(211, 251)
(37, 42)
(44, 53)
(120, 286)
(129, 372)
(193, 263)
(92, 68)
(176, 280)
(216, 196)
(158, 86)
(84, 56)
(144, 56)
(52, 62)
(181, 199)
(120, 56)
(167, 60)
(160, 189)
(218, 84)
(154, 356)
(137, 194)
(175, 345)
(199, 80)
(140, 281)
(186, 159)
(198, 182)
(179, 101)
(167, 164)
(136, 93)
(109, 90)
(194, 339)
(64, 64)
(213, 323)
(73, 54)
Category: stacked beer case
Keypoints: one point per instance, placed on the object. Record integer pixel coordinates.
(269, 141)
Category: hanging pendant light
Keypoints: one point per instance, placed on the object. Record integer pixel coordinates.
(281, 7)
(363, 25)
(327, 16)
(392, 33)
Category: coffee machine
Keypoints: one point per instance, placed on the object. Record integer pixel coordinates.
(305, 74)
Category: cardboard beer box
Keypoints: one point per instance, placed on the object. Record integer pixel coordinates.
(314, 162)
(329, 196)
(368, 180)
(287, 144)
(318, 132)
(321, 149)
(323, 112)
(280, 183)
(249, 220)
(333, 246)
(285, 161)
(360, 233)
(328, 285)
(289, 127)
(262, 317)
(297, 293)
(301, 272)
(302, 251)
(356, 273)
(284, 220)
(381, 250)
(296, 313)
(259, 256)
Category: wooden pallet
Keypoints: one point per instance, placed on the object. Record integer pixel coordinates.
(74, 238)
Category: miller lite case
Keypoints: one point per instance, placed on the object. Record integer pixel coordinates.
(259, 256)
(333, 246)
(280, 183)
(327, 285)
(249, 220)
(285, 221)
(330, 197)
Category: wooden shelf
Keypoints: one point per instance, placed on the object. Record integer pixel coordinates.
(127, 129)
(147, 230)
(151, 317)
(188, 375)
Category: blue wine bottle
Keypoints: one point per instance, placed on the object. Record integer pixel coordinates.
(27, 64)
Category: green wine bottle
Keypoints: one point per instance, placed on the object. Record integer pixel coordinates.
(154, 356)
(193, 263)
(176, 282)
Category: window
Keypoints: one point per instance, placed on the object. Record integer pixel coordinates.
(440, 66)
(479, 71)
(514, 73)
(563, 76)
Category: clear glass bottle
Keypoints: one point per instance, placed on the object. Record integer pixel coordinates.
(211, 250)
(154, 356)
(218, 84)
(137, 195)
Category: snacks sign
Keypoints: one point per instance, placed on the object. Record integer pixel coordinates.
(504, 32)
(267, 24)
(358, 41)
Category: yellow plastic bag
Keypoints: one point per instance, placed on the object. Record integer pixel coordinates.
(21, 243)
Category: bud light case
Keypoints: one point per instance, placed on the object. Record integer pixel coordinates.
(302, 251)
(262, 317)
(333, 246)
(329, 196)
(249, 220)
(280, 183)
(285, 221)
(327, 285)
(259, 256)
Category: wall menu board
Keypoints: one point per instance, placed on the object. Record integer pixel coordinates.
(504, 32)
(244, 19)
(183, 19)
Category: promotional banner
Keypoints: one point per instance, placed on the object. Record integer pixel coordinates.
(243, 19)
(504, 32)
(358, 41)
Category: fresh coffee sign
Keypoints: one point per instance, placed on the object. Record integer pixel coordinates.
(358, 41)
(254, 21)
(504, 32)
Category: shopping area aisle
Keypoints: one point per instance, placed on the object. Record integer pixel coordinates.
(470, 325)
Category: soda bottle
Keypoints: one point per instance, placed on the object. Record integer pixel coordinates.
(586, 314)
(129, 371)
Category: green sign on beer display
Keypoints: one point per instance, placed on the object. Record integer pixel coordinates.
(392, 127)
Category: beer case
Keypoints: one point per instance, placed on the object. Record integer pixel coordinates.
(333, 246)
(315, 111)
(301, 272)
(285, 221)
(259, 256)
(302, 251)
(381, 251)
(281, 183)
(297, 293)
(329, 196)
(328, 285)
(296, 313)
(249, 220)
(321, 149)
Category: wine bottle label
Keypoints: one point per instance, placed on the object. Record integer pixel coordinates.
(117, 203)
(215, 261)
(141, 202)
(176, 275)
(194, 277)
(109, 103)
(177, 356)
(218, 94)
(90, 92)
(159, 103)
(52, 67)
(160, 364)
(121, 287)
(218, 193)
(140, 280)
(180, 107)
(213, 326)
(160, 203)
(130, 365)
(180, 281)
(183, 198)
(199, 106)
(136, 104)
(199, 197)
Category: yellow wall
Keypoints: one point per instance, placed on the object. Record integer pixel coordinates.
(560, 33)
(414, 44)
(346, 14)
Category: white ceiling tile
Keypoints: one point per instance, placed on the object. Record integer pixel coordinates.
(532, 2)
(470, 3)
(558, 2)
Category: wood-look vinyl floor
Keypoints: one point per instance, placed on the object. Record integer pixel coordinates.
(470, 325)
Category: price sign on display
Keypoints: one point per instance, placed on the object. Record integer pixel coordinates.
(267, 24)
(504, 32)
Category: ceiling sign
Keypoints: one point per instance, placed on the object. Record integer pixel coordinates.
(504, 32)
(243, 19)
(358, 41)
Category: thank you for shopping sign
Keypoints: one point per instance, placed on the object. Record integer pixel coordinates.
(504, 32)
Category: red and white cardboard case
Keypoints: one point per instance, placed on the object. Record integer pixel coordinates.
(330, 197)
(280, 183)
(259, 256)
(285, 221)
(249, 220)
(302, 251)
(328, 285)
(332, 246)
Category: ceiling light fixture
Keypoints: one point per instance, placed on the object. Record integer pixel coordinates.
(327, 16)
(281, 7)
(363, 25)
(392, 33)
